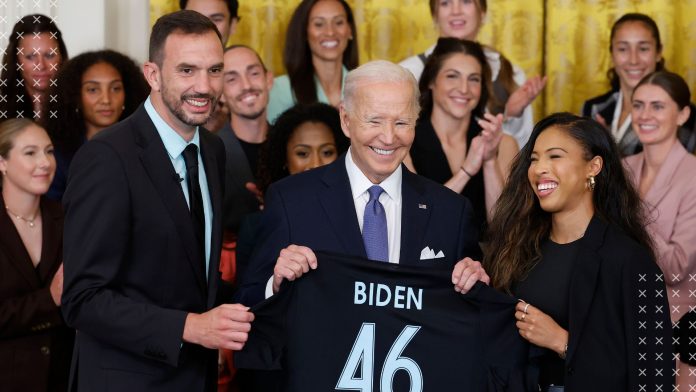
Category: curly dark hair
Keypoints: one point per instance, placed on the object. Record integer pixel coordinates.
(519, 224)
(297, 57)
(273, 154)
(17, 98)
(66, 126)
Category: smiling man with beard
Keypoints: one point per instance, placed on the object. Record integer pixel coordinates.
(246, 85)
(143, 230)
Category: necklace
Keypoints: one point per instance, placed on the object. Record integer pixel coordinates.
(29, 221)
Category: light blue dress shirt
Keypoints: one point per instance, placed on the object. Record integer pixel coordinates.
(175, 145)
(282, 98)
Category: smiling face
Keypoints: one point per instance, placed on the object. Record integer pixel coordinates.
(247, 84)
(381, 127)
(30, 164)
(634, 53)
(185, 89)
(39, 59)
(328, 30)
(103, 96)
(456, 89)
(656, 117)
(459, 18)
(559, 171)
(311, 145)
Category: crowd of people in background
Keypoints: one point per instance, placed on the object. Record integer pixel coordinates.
(566, 211)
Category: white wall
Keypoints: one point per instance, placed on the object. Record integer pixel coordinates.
(121, 25)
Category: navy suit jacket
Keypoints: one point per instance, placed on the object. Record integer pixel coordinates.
(132, 268)
(316, 209)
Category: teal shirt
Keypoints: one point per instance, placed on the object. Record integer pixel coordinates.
(175, 145)
(282, 98)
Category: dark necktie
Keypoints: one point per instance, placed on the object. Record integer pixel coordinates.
(195, 197)
(375, 227)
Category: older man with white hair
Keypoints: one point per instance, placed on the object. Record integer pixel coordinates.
(366, 203)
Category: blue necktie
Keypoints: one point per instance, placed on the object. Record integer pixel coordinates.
(375, 227)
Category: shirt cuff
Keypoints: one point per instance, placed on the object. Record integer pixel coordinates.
(269, 288)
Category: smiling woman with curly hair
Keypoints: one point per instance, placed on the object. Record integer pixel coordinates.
(94, 90)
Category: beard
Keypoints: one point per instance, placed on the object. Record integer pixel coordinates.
(248, 113)
(175, 105)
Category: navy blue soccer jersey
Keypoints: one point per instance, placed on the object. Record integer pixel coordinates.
(360, 325)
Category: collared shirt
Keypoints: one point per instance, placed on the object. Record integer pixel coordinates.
(282, 98)
(390, 199)
(619, 130)
(175, 145)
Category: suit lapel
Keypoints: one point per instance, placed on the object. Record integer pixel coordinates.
(159, 168)
(337, 200)
(13, 247)
(51, 241)
(415, 213)
(212, 173)
(667, 171)
(584, 282)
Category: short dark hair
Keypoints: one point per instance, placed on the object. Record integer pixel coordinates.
(673, 84)
(232, 6)
(297, 57)
(183, 22)
(446, 48)
(650, 24)
(16, 95)
(236, 46)
(273, 155)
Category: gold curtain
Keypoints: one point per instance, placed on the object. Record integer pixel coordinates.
(568, 40)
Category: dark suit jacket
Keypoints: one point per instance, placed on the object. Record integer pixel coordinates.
(238, 200)
(316, 209)
(35, 344)
(614, 290)
(605, 105)
(132, 269)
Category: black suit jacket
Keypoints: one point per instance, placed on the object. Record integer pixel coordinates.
(132, 269)
(35, 344)
(316, 209)
(618, 312)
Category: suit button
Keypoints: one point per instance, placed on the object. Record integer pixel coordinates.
(45, 350)
(570, 370)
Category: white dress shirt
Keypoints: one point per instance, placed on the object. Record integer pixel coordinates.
(390, 199)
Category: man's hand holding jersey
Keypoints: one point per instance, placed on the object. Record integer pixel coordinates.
(295, 260)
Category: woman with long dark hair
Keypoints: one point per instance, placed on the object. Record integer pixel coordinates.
(636, 51)
(94, 90)
(568, 238)
(34, 54)
(320, 48)
(457, 143)
(511, 93)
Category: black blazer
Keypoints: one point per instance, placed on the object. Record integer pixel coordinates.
(620, 334)
(132, 269)
(316, 209)
(35, 344)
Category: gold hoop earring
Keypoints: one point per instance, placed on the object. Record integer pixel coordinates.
(591, 183)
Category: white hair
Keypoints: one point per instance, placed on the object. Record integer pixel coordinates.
(378, 71)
